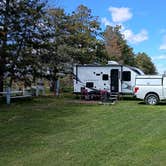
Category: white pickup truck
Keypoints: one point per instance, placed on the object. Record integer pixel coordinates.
(150, 88)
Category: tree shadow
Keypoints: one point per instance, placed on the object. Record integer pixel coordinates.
(159, 104)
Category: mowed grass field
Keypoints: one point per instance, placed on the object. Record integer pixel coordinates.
(56, 132)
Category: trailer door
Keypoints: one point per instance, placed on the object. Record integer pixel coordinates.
(114, 80)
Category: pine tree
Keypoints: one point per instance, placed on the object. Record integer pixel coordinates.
(21, 33)
(144, 62)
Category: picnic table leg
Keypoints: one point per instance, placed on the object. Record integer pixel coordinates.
(23, 92)
(8, 99)
(43, 91)
(37, 91)
(57, 87)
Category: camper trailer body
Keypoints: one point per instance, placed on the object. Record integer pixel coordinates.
(113, 78)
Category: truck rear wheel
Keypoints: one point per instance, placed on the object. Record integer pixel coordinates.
(151, 99)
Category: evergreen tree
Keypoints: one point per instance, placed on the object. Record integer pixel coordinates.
(144, 62)
(84, 29)
(21, 29)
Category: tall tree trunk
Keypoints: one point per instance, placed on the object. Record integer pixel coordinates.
(3, 52)
(1, 83)
(10, 83)
(2, 70)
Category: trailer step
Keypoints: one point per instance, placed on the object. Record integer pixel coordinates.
(114, 97)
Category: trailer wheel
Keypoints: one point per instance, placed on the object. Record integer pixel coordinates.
(151, 99)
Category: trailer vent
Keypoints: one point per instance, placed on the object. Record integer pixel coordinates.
(113, 63)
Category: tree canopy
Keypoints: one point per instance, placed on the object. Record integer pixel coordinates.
(117, 47)
(144, 62)
(21, 33)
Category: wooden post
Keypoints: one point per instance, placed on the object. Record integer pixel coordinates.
(37, 90)
(8, 96)
(23, 91)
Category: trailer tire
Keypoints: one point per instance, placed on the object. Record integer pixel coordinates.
(151, 99)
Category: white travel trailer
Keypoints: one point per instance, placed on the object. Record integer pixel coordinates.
(113, 78)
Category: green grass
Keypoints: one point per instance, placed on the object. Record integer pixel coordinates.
(54, 132)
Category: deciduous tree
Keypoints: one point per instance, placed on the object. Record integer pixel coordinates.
(117, 47)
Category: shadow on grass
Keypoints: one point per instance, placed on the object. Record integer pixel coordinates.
(27, 100)
(142, 103)
(130, 98)
(159, 104)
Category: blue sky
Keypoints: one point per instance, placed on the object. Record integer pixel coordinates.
(143, 23)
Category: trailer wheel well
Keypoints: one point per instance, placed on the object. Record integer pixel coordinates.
(152, 93)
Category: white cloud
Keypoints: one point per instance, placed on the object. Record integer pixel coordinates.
(105, 21)
(135, 38)
(160, 68)
(160, 57)
(128, 33)
(163, 45)
(120, 14)
(159, 63)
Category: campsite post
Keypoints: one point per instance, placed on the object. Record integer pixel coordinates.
(8, 96)
(57, 87)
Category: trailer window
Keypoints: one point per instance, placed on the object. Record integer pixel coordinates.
(126, 76)
(105, 77)
(89, 84)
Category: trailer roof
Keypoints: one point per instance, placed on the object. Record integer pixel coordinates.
(98, 65)
(134, 69)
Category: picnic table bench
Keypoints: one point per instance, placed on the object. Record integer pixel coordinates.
(17, 94)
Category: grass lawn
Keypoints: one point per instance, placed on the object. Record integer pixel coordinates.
(50, 131)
